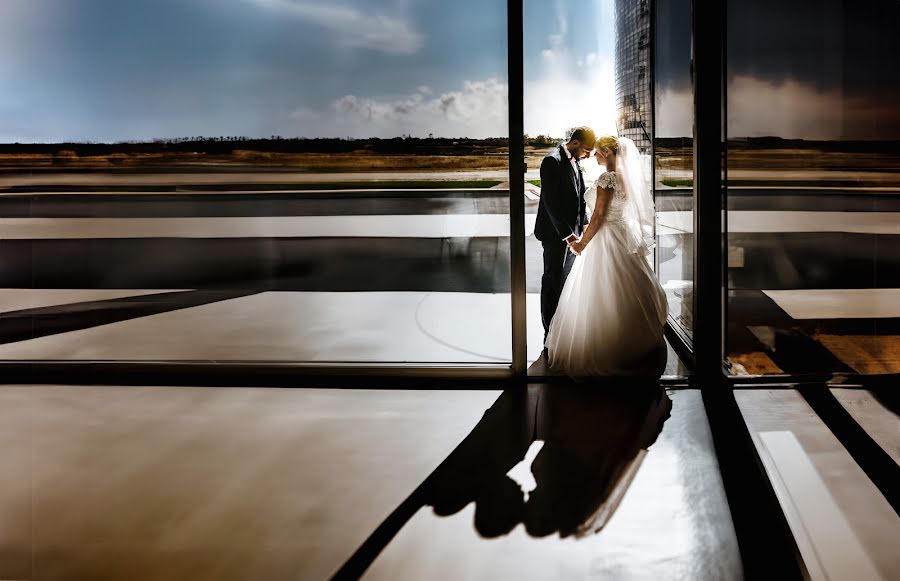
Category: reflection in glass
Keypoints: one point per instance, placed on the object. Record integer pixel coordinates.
(255, 182)
(633, 90)
(814, 184)
(673, 151)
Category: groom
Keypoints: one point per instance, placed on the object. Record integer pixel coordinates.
(561, 215)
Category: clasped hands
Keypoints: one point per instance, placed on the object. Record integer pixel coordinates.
(576, 244)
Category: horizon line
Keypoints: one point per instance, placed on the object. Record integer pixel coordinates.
(229, 139)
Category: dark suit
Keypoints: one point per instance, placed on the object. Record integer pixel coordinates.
(561, 212)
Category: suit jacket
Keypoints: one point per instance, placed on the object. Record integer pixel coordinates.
(562, 210)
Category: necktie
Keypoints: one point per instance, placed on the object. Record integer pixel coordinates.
(580, 189)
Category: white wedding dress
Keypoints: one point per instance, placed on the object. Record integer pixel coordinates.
(612, 309)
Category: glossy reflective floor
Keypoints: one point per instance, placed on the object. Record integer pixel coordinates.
(167, 483)
(864, 515)
(672, 521)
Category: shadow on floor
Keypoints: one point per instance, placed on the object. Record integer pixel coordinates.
(28, 324)
(889, 398)
(594, 436)
(662, 360)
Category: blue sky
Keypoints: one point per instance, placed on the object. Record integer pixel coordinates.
(107, 70)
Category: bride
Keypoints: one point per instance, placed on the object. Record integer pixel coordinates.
(612, 308)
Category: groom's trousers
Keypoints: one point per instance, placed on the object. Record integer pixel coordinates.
(558, 260)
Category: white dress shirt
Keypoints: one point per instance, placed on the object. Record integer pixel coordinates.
(574, 163)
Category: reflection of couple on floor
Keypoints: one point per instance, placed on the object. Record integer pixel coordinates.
(593, 442)
(602, 307)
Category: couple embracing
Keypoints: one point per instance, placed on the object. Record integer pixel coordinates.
(602, 306)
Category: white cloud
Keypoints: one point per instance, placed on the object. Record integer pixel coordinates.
(556, 101)
(674, 113)
(478, 109)
(302, 113)
(553, 103)
(566, 90)
(792, 109)
(352, 26)
(569, 89)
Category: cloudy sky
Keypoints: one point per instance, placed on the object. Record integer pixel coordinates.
(110, 70)
(107, 70)
(810, 69)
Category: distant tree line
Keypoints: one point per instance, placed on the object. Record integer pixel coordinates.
(541, 141)
(224, 145)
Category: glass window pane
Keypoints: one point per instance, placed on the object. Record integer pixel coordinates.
(586, 64)
(814, 184)
(674, 162)
(255, 181)
(569, 57)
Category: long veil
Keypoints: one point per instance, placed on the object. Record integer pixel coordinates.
(639, 212)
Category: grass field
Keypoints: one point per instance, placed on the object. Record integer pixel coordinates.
(751, 166)
(306, 162)
(676, 183)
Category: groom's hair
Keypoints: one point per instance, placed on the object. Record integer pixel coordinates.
(585, 135)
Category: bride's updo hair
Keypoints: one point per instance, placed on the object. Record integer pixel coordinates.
(610, 142)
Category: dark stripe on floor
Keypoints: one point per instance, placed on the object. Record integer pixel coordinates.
(797, 353)
(790, 200)
(758, 326)
(889, 397)
(41, 322)
(815, 260)
(299, 264)
(768, 549)
(86, 202)
(875, 462)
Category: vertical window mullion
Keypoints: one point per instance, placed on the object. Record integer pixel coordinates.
(515, 65)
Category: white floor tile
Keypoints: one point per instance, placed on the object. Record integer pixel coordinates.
(318, 327)
(861, 303)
